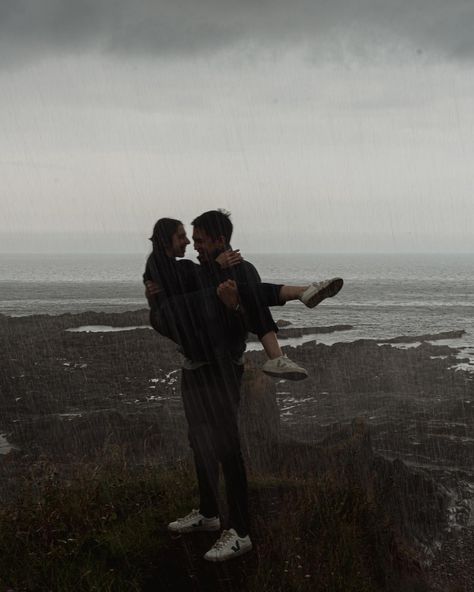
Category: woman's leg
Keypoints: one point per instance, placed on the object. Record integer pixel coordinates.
(277, 294)
(270, 345)
(260, 321)
(178, 319)
(288, 293)
(271, 294)
(196, 316)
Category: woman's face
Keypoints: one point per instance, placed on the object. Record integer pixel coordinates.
(179, 242)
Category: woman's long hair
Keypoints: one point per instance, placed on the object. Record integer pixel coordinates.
(163, 231)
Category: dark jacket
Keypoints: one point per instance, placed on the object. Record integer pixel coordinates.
(173, 276)
(234, 325)
(188, 311)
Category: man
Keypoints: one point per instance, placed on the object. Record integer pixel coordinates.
(211, 395)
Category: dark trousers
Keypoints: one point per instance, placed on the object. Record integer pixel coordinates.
(211, 396)
(256, 298)
(193, 321)
(197, 320)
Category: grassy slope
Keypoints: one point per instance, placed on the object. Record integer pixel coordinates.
(105, 530)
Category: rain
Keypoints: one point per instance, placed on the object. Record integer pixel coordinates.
(338, 136)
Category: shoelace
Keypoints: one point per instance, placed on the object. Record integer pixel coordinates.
(224, 538)
(192, 514)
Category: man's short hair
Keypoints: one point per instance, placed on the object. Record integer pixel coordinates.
(215, 223)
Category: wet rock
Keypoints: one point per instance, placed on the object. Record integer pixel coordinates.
(289, 332)
(259, 416)
(425, 337)
(409, 501)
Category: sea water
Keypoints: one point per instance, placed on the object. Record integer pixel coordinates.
(384, 295)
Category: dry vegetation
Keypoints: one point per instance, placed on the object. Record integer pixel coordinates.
(104, 529)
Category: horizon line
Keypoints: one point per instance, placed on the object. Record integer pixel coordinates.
(351, 252)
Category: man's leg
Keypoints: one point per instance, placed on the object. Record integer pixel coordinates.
(235, 477)
(206, 464)
(211, 396)
(194, 389)
(228, 380)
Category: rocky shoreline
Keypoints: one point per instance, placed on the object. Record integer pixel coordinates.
(418, 405)
(73, 396)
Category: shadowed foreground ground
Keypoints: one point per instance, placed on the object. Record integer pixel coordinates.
(327, 517)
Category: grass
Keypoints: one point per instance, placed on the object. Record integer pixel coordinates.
(99, 531)
(104, 530)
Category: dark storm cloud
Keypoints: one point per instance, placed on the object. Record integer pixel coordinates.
(30, 28)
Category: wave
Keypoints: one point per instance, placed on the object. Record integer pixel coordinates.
(392, 304)
(27, 306)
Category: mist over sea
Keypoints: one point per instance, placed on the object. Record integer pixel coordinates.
(385, 295)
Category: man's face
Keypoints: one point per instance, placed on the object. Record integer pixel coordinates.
(179, 242)
(206, 246)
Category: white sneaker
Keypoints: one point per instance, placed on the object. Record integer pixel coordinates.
(194, 521)
(283, 367)
(228, 545)
(318, 291)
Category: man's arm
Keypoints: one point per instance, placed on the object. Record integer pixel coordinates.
(235, 296)
(247, 293)
(247, 274)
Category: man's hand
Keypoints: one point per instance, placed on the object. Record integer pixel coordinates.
(229, 258)
(229, 294)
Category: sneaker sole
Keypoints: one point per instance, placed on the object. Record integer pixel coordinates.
(237, 554)
(196, 529)
(286, 375)
(328, 292)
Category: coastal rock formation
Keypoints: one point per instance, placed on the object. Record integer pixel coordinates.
(425, 337)
(281, 323)
(89, 396)
(287, 332)
(401, 512)
(259, 415)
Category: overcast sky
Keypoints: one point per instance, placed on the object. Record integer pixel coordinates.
(322, 126)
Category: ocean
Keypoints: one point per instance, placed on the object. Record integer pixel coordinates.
(385, 295)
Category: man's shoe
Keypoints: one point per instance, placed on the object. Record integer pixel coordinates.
(318, 291)
(283, 367)
(228, 545)
(193, 522)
